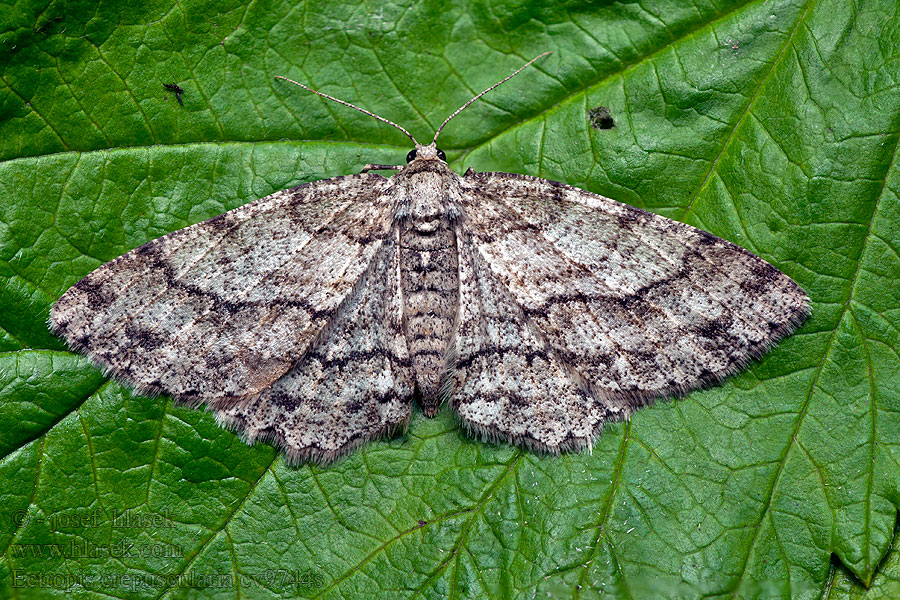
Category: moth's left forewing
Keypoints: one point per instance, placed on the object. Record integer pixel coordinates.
(354, 384)
(218, 311)
(639, 305)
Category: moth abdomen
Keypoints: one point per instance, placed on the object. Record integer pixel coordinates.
(429, 276)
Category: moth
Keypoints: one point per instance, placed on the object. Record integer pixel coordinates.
(314, 317)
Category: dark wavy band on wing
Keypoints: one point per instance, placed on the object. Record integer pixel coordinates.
(220, 310)
(639, 305)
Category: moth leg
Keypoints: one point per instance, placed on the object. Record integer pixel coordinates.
(376, 167)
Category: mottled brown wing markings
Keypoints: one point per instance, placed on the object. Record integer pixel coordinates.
(583, 303)
(510, 385)
(724, 280)
(354, 383)
(700, 244)
(203, 283)
(263, 331)
(640, 305)
(538, 310)
(311, 317)
(547, 254)
(99, 285)
(148, 256)
(587, 264)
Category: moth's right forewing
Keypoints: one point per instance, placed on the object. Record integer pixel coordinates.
(220, 310)
(640, 305)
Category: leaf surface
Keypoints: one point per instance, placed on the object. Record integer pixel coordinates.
(774, 124)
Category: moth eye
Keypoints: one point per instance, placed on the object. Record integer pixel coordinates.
(411, 156)
(441, 155)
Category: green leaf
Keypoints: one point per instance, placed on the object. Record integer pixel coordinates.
(771, 123)
(885, 585)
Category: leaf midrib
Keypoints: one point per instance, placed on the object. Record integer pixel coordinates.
(814, 384)
(623, 68)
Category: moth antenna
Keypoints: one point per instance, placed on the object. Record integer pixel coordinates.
(362, 110)
(502, 81)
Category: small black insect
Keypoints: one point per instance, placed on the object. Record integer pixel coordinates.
(601, 118)
(174, 87)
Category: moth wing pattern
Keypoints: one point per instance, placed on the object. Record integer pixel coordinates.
(639, 305)
(292, 317)
(354, 384)
(510, 385)
(218, 311)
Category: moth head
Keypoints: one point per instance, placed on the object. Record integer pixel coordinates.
(430, 152)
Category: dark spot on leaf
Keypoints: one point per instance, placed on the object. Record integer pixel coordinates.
(601, 118)
(174, 87)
